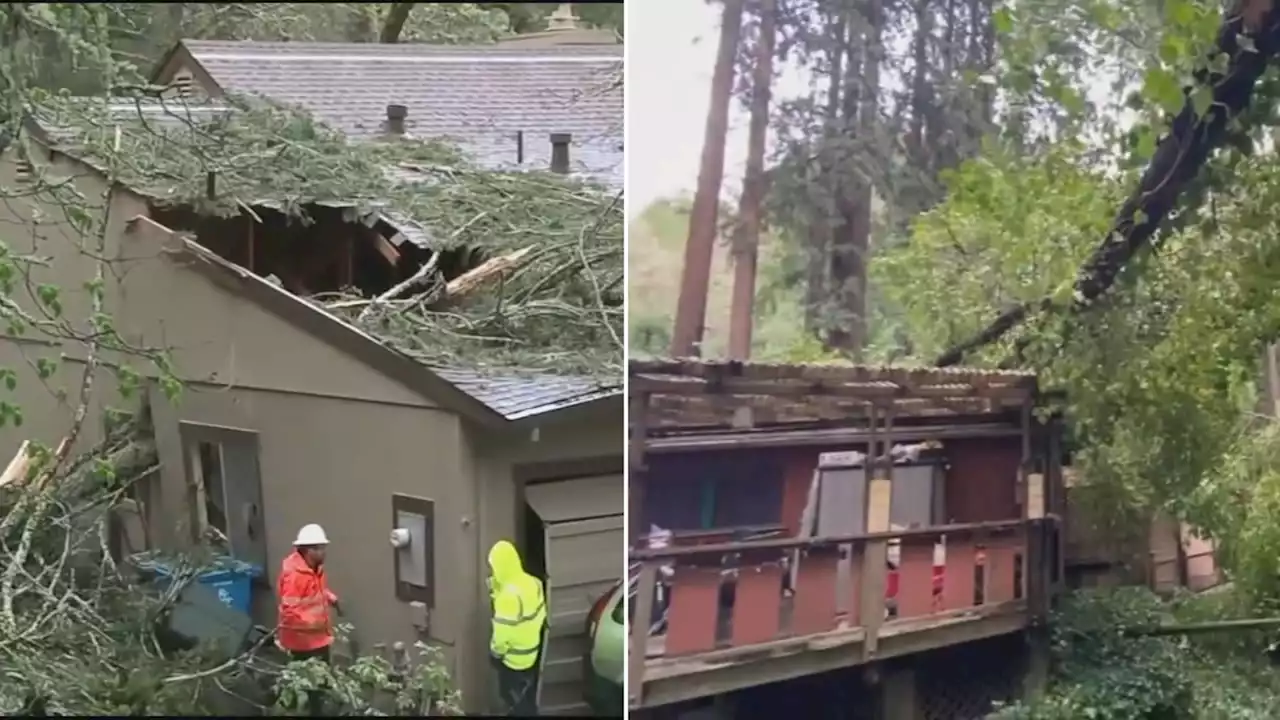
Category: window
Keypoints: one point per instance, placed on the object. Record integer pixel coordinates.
(214, 500)
(713, 491)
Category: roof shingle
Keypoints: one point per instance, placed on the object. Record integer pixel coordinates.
(479, 96)
(516, 396)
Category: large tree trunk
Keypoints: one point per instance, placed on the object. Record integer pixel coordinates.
(820, 226)
(852, 237)
(691, 308)
(747, 243)
(924, 191)
(394, 24)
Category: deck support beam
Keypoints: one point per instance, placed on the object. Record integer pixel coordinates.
(900, 695)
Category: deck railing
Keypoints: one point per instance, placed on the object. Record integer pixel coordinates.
(710, 598)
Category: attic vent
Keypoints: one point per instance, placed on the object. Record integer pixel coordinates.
(24, 171)
(182, 84)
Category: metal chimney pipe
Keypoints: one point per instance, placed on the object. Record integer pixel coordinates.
(396, 115)
(560, 152)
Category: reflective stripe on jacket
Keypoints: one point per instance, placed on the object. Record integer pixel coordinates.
(519, 609)
(303, 613)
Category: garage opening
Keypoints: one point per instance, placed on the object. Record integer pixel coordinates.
(578, 527)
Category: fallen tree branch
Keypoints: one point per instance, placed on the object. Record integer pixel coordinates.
(1178, 158)
(421, 277)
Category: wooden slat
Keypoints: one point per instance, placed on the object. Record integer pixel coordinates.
(915, 578)
(957, 583)
(637, 645)
(874, 558)
(855, 587)
(1000, 563)
(757, 604)
(814, 606)
(694, 614)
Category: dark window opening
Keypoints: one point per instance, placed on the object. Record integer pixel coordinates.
(534, 552)
(711, 491)
(224, 500)
(209, 457)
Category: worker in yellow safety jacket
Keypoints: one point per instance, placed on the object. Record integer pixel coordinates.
(519, 620)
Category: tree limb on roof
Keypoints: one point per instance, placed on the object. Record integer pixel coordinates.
(1180, 155)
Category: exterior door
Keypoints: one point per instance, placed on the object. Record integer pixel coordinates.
(585, 540)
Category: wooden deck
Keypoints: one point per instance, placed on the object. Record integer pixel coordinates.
(735, 618)
(674, 680)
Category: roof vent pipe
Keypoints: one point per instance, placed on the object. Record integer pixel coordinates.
(396, 115)
(560, 152)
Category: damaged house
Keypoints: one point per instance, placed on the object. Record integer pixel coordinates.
(369, 336)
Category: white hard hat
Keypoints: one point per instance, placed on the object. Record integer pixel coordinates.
(311, 535)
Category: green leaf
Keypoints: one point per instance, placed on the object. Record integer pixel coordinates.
(1183, 13)
(1202, 101)
(1145, 142)
(1161, 86)
(1002, 19)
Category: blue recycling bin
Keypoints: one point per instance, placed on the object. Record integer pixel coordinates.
(230, 579)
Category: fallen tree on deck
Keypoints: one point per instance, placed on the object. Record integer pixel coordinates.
(1249, 37)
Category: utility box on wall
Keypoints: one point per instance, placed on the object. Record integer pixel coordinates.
(413, 542)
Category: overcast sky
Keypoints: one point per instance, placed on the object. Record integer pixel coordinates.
(670, 54)
(671, 47)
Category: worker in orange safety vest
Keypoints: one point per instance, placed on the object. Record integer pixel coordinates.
(305, 630)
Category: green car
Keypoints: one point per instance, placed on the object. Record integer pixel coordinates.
(604, 666)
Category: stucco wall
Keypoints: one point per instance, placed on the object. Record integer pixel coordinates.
(337, 463)
(324, 456)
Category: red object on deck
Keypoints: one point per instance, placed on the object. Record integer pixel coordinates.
(891, 584)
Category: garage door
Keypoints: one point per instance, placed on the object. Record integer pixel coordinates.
(585, 539)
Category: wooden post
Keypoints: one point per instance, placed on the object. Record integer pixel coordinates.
(899, 695)
(1036, 674)
(639, 635)
(1056, 493)
(875, 554)
(844, 568)
(636, 467)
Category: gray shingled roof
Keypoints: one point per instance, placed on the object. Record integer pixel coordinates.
(479, 96)
(516, 396)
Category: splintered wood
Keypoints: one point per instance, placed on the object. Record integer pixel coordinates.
(696, 393)
(16, 472)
